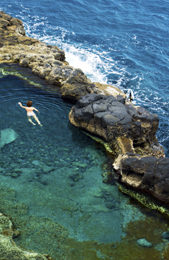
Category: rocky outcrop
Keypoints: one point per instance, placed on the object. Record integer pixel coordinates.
(124, 127)
(46, 61)
(144, 173)
(129, 132)
(101, 110)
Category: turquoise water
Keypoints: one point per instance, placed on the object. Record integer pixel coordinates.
(124, 43)
(56, 173)
(52, 177)
(56, 156)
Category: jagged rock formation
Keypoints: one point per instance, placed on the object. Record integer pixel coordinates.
(128, 130)
(101, 109)
(144, 173)
(125, 127)
(46, 61)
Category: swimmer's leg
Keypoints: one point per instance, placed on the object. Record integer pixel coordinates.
(37, 120)
(30, 120)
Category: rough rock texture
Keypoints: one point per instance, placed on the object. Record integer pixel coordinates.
(145, 173)
(101, 109)
(46, 61)
(125, 127)
(128, 130)
(8, 249)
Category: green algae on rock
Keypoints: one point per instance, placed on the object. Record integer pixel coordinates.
(128, 130)
(48, 63)
(8, 249)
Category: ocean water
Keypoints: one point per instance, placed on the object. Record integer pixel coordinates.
(122, 43)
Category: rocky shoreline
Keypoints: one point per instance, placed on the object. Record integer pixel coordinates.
(46, 61)
(101, 110)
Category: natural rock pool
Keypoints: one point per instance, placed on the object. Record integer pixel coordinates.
(51, 184)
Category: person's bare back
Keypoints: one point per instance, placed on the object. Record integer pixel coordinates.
(30, 112)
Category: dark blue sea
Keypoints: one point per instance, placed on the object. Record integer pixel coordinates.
(122, 43)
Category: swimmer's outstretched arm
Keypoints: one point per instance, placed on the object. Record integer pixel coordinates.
(33, 108)
(19, 103)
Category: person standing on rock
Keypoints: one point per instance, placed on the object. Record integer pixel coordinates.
(30, 112)
(129, 94)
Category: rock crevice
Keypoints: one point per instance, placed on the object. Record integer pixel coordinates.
(130, 133)
(101, 110)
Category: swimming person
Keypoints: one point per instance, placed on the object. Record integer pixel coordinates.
(30, 112)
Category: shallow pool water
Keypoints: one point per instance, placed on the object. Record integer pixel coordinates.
(54, 173)
(56, 169)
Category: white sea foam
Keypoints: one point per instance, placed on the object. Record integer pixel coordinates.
(97, 64)
(94, 61)
(90, 63)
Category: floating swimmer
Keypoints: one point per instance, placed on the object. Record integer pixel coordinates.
(30, 112)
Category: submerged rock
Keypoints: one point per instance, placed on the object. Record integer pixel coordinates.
(144, 243)
(47, 169)
(7, 136)
(101, 110)
(36, 163)
(14, 175)
(8, 249)
(76, 177)
(165, 235)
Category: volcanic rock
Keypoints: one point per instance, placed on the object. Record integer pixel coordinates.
(145, 173)
(122, 125)
(46, 61)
